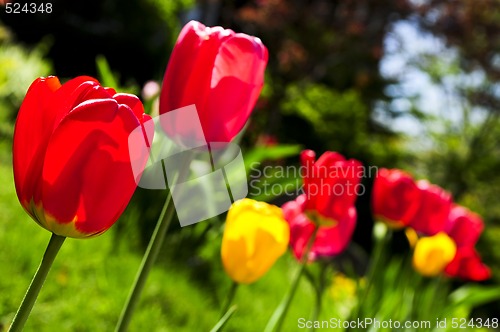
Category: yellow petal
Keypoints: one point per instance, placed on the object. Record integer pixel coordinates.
(255, 236)
(433, 253)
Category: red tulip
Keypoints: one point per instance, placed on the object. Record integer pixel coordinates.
(395, 197)
(330, 186)
(435, 206)
(464, 226)
(219, 71)
(468, 265)
(330, 239)
(331, 183)
(72, 167)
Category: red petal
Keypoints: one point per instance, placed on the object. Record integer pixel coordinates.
(333, 240)
(435, 206)
(131, 101)
(220, 72)
(329, 241)
(87, 173)
(237, 79)
(468, 265)
(395, 196)
(32, 131)
(464, 226)
(187, 78)
(72, 93)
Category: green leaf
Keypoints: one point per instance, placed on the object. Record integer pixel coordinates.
(260, 154)
(106, 76)
(475, 295)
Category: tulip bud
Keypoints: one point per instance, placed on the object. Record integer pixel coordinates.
(255, 236)
(219, 71)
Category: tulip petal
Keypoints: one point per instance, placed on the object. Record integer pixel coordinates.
(432, 254)
(190, 67)
(220, 72)
(330, 183)
(329, 241)
(187, 78)
(234, 256)
(464, 226)
(467, 265)
(72, 93)
(75, 169)
(237, 79)
(432, 216)
(131, 101)
(255, 236)
(333, 240)
(32, 132)
(243, 57)
(395, 197)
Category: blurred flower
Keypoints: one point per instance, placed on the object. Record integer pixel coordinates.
(255, 236)
(433, 253)
(468, 265)
(218, 70)
(150, 90)
(464, 226)
(435, 205)
(266, 140)
(395, 197)
(72, 167)
(330, 186)
(343, 287)
(345, 290)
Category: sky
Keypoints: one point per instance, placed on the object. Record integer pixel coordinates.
(403, 45)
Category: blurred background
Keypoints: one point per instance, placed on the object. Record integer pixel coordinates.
(412, 84)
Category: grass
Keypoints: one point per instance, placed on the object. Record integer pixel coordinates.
(89, 281)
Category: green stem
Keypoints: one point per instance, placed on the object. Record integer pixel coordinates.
(319, 296)
(230, 297)
(379, 254)
(148, 260)
(154, 246)
(220, 324)
(278, 317)
(31, 295)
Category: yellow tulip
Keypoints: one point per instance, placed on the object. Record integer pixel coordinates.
(432, 254)
(255, 236)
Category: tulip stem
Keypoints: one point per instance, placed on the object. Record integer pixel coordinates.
(34, 288)
(220, 324)
(278, 317)
(149, 258)
(319, 295)
(382, 242)
(152, 251)
(229, 298)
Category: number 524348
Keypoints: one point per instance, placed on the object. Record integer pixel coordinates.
(28, 8)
